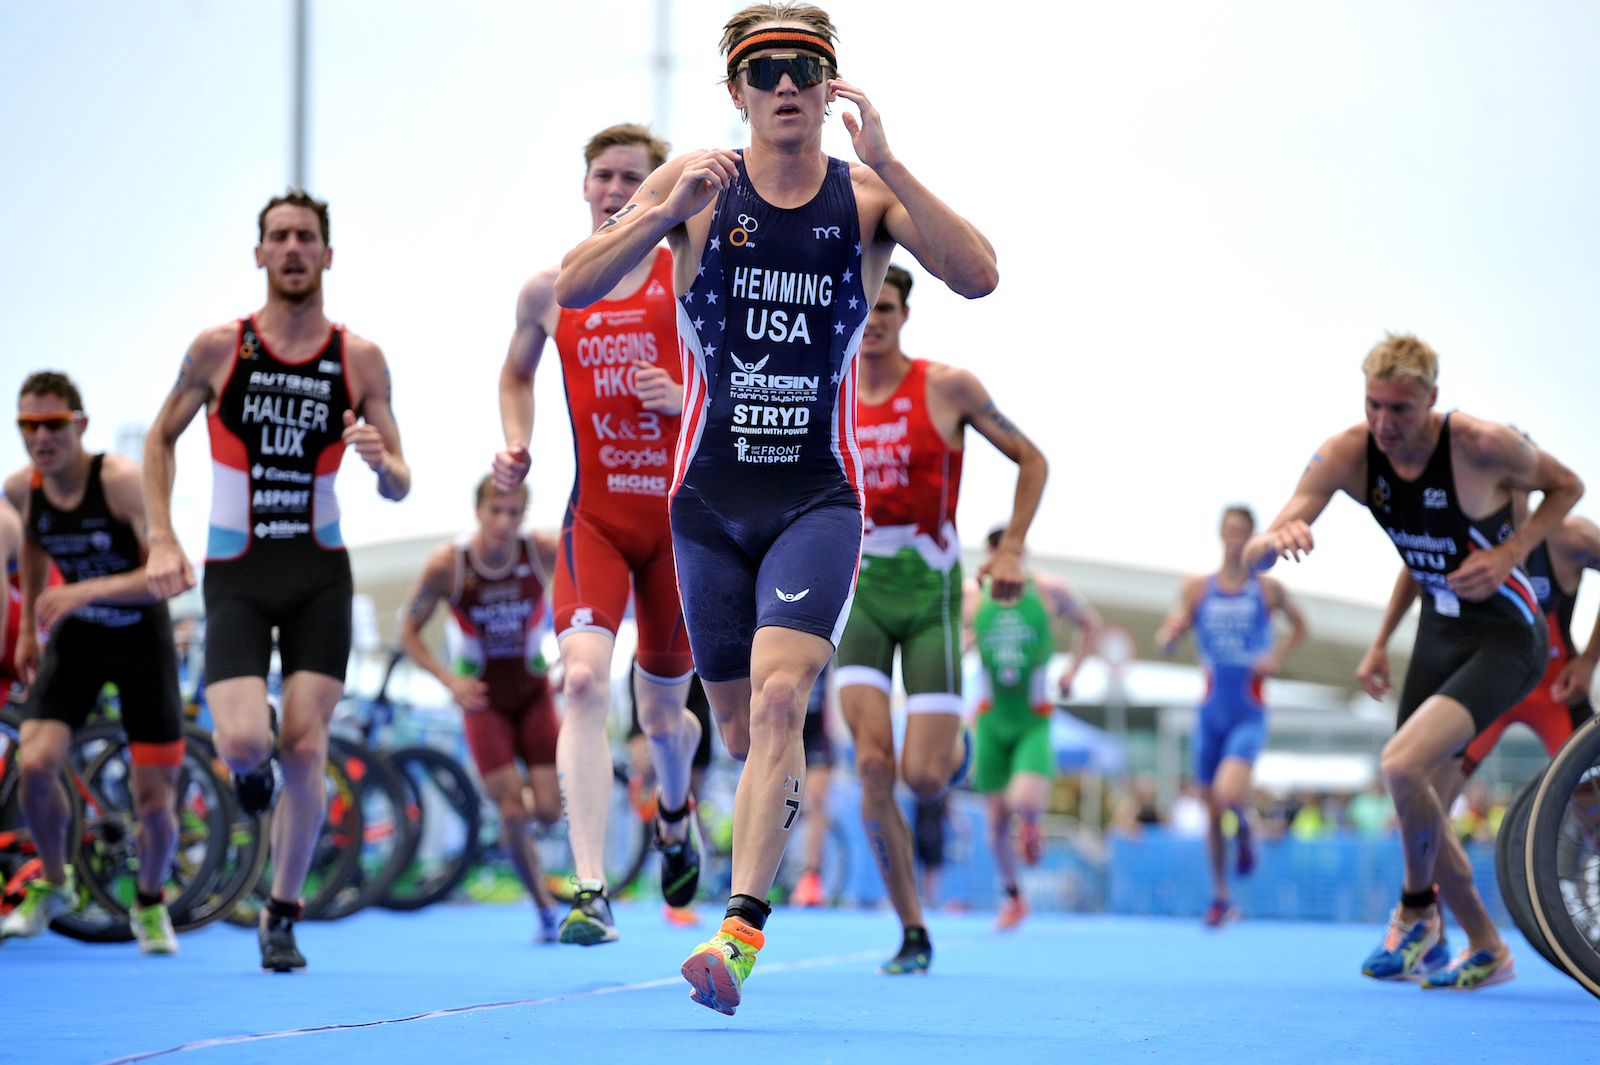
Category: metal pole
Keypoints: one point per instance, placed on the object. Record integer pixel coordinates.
(297, 175)
(663, 63)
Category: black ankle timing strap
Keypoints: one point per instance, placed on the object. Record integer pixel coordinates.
(672, 817)
(1417, 900)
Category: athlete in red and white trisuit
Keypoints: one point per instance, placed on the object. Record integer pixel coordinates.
(494, 581)
(286, 391)
(624, 396)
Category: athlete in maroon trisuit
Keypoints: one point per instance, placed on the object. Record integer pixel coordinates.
(285, 391)
(624, 395)
(493, 581)
(911, 421)
(1442, 487)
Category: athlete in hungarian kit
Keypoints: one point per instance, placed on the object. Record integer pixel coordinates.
(911, 421)
(624, 395)
(778, 254)
(1231, 614)
(285, 392)
(1441, 486)
(494, 582)
(85, 514)
(1015, 764)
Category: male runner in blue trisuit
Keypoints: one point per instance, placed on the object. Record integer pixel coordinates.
(779, 252)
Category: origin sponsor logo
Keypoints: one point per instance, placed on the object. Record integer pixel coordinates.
(638, 484)
(278, 530)
(613, 457)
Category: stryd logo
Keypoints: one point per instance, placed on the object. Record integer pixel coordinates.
(1435, 498)
(594, 320)
(795, 598)
(824, 231)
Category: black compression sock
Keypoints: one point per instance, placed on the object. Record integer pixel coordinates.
(1011, 890)
(915, 937)
(278, 908)
(749, 909)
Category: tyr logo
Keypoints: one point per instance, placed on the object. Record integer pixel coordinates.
(825, 231)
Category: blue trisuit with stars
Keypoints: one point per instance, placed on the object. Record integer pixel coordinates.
(766, 493)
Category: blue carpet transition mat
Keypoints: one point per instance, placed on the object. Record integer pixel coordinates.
(463, 983)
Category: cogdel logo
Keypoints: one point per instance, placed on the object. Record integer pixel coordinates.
(795, 598)
(594, 320)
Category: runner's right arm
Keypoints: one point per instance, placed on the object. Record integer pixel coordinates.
(436, 584)
(679, 190)
(119, 479)
(1373, 670)
(10, 548)
(535, 304)
(1339, 464)
(33, 571)
(1178, 621)
(167, 568)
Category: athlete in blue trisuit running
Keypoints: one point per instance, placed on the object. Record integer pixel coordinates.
(778, 253)
(1231, 614)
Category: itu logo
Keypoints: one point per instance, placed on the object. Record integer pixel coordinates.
(740, 237)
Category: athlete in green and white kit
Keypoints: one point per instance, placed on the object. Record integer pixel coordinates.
(911, 415)
(1015, 760)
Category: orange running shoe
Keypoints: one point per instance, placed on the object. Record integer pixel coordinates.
(680, 916)
(1030, 841)
(808, 892)
(1012, 911)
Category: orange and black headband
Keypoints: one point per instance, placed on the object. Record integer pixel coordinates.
(802, 40)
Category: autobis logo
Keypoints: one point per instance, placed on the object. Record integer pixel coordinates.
(594, 320)
(614, 457)
(740, 236)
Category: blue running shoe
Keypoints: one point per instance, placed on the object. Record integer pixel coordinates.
(967, 748)
(1400, 955)
(1471, 970)
(1436, 958)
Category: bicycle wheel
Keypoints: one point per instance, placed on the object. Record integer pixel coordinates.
(447, 845)
(1511, 871)
(627, 849)
(108, 856)
(244, 854)
(388, 840)
(1562, 856)
(334, 858)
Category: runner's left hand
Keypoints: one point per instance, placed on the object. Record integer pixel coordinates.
(656, 389)
(1267, 665)
(1482, 573)
(1006, 578)
(366, 440)
(866, 132)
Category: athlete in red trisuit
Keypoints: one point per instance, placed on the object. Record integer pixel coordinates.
(493, 580)
(285, 392)
(624, 394)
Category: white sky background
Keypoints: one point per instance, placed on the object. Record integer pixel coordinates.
(1205, 215)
